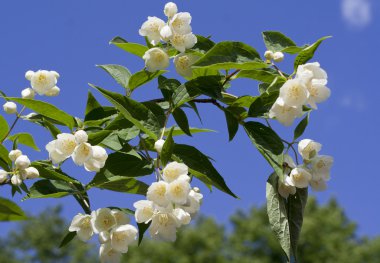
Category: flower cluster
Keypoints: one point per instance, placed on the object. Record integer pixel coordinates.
(171, 203)
(307, 88)
(113, 229)
(176, 32)
(315, 171)
(22, 169)
(43, 82)
(92, 157)
(275, 56)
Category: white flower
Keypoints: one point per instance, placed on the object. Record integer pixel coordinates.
(183, 63)
(31, 173)
(308, 148)
(102, 220)
(321, 166)
(16, 180)
(144, 211)
(14, 154)
(157, 193)
(81, 136)
(98, 159)
(54, 155)
(318, 185)
(193, 203)
(54, 91)
(164, 227)
(104, 237)
(182, 216)
(183, 42)
(82, 225)
(22, 162)
(278, 56)
(284, 114)
(318, 92)
(82, 153)
(314, 68)
(158, 145)
(268, 55)
(151, 29)
(55, 73)
(29, 74)
(10, 107)
(180, 23)
(170, 9)
(166, 33)
(3, 176)
(122, 236)
(109, 255)
(174, 170)
(289, 160)
(293, 93)
(28, 93)
(285, 189)
(65, 144)
(299, 177)
(178, 191)
(121, 217)
(156, 59)
(42, 81)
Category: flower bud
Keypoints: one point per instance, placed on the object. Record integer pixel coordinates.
(278, 56)
(29, 74)
(158, 145)
(170, 9)
(3, 176)
(166, 33)
(268, 55)
(81, 136)
(31, 173)
(54, 91)
(14, 154)
(22, 162)
(16, 180)
(28, 93)
(10, 107)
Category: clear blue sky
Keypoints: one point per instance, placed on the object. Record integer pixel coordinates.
(72, 36)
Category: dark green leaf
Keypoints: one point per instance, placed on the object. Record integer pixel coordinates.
(276, 41)
(177, 131)
(4, 155)
(9, 211)
(25, 139)
(119, 73)
(300, 129)
(142, 229)
(306, 54)
(67, 239)
(48, 172)
(266, 75)
(49, 189)
(140, 78)
(4, 128)
(182, 121)
(262, 104)
(96, 138)
(133, 48)
(203, 44)
(167, 149)
(232, 124)
(120, 184)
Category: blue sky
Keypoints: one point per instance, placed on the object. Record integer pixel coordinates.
(71, 37)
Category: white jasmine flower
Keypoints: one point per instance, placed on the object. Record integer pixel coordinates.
(14, 154)
(285, 189)
(31, 173)
(42, 81)
(182, 216)
(10, 107)
(55, 73)
(102, 220)
(318, 92)
(174, 170)
(156, 59)
(183, 42)
(308, 148)
(178, 191)
(22, 162)
(299, 177)
(29, 74)
(144, 211)
(321, 166)
(170, 9)
(122, 236)
(54, 155)
(82, 225)
(104, 237)
(268, 55)
(314, 68)
(278, 56)
(193, 203)
(293, 93)
(151, 29)
(98, 159)
(284, 114)
(54, 91)
(121, 217)
(166, 33)
(81, 136)
(28, 93)
(164, 227)
(3, 176)
(157, 193)
(183, 63)
(158, 145)
(109, 255)
(82, 153)
(180, 23)
(65, 144)
(16, 180)
(318, 185)
(289, 160)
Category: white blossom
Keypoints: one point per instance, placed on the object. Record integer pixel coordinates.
(164, 227)
(3, 176)
(122, 236)
(151, 29)
(28, 93)
(144, 211)
(194, 201)
(156, 59)
(31, 173)
(284, 189)
(16, 180)
(121, 217)
(98, 159)
(82, 153)
(166, 33)
(82, 225)
(157, 193)
(284, 114)
(54, 155)
(54, 91)
(42, 81)
(183, 63)
(308, 148)
(14, 154)
(10, 107)
(289, 161)
(109, 255)
(81, 136)
(55, 73)
(182, 216)
(314, 68)
(158, 145)
(318, 185)
(299, 177)
(65, 144)
(22, 162)
(293, 93)
(29, 74)
(180, 23)
(170, 9)
(278, 56)
(320, 166)
(104, 237)
(268, 55)
(102, 220)
(183, 42)
(177, 191)
(174, 170)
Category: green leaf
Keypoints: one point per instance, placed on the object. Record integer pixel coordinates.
(95, 111)
(49, 189)
(167, 87)
(182, 121)
(47, 110)
(4, 156)
(67, 239)
(119, 73)
(119, 184)
(96, 138)
(167, 149)
(133, 48)
(4, 128)
(232, 124)
(9, 211)
(300, 129)
(48, 172)
(203, 44)
(142, 229)
(296, 207)
(133, 111)
(306, 54)
(201, 167)
(231, 55)
(276, 209)
(25, 139)
(266, 75)
(142, 77)
(276, 41)
(177, 131)
(262, 104)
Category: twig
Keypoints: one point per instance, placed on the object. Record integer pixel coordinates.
(13, 125)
